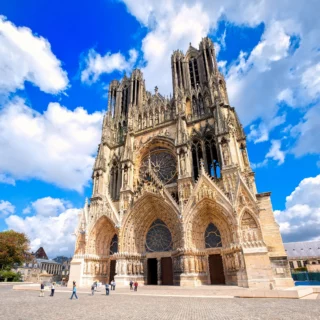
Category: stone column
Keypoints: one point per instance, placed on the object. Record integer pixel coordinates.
(159, 270)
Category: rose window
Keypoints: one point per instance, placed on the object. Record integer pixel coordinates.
(158, 237)
(162, 163)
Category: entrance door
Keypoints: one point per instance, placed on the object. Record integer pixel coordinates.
(152, 271)
(112, 270)
(166, 271)
(216, 269)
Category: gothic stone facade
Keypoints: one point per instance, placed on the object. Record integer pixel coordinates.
(174, 198)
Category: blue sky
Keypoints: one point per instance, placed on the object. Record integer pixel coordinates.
(57, 58)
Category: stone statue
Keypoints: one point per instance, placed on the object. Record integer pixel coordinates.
(225, 153)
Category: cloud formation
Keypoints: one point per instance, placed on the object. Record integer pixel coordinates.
(95, 64)
(51, 226)
(27, 57)
(6, 208)
(57, 146)
(300, 221)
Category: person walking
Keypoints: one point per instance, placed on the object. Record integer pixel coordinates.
(92, 289)
(131, 284)
(136, 286)
(114, 285)
(74, 291)
(41, 290)
(107, 289)
(52, 289)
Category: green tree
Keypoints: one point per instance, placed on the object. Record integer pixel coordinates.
(14, 247)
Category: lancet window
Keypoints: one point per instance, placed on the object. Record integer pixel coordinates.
(194, 72)
(197, 155)
(212, 237)
(158, 238)
(115, 181)
(207, 151)
(212, 162)
(125, 101)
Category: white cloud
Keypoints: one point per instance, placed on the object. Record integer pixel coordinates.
(5, 179)
(56, 146)
(300, 221)
(261, 133)
(27, 57)
(275, 152)
(47, 207)
(51, 226)
(307, 133)
(311, 80)
(6, 208)
(95, 64)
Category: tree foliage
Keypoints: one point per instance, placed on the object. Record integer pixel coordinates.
(14, 247)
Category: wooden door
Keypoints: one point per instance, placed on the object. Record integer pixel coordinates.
(166, 271)
(216, 269)
(112, 270)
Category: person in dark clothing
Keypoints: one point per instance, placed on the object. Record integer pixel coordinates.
(131, 284)
(52, 289)
(41, 290)
(107, 289)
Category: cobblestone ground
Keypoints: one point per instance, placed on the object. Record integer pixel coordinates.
(27, 305)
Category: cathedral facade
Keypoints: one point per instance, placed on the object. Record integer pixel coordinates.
(174, 198)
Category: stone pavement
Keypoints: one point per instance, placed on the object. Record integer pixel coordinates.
(145, 305)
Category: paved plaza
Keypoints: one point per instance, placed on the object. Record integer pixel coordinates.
(150, 304)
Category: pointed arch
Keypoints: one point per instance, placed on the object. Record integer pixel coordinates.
(100, 236)
(250, 227)
(148, 209)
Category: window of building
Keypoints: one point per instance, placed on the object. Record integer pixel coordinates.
(212, 237)
(291, 264)
(158, 237)
(299, 264)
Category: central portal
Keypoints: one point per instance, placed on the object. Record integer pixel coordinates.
(152, 271)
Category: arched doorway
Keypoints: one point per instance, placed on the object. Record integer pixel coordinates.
(208, 230)
(151, 232)
(212, 238)
(159, 241)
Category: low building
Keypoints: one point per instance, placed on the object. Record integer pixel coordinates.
(304, 254)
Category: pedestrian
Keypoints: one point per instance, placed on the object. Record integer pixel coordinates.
(131, 284)
(136, 286)
(52, 289)
(107, 289)
(92, 289)
(95, 285)
(41, 290)
(114, 285)
(74, 291)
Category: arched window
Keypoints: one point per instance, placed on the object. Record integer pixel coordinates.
(158, 237)
(114, 245)
(212, 237)
(139, 122)
(197, 155)
(195, 106)
(124, 102)
(213, 166)
(200, 105)
(194, 72)
(115, 181)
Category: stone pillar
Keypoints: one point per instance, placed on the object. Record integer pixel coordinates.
(159, 270)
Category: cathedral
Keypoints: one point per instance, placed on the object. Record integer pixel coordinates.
(174, 198)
